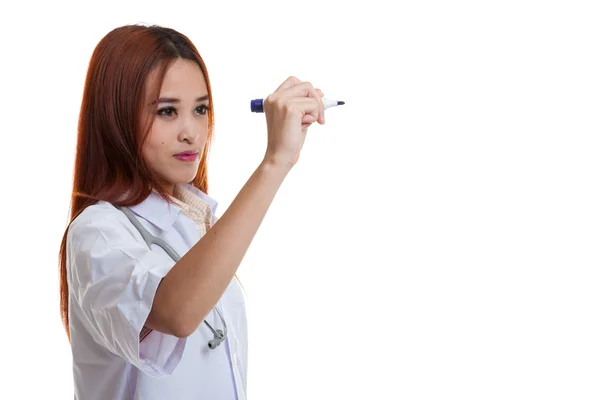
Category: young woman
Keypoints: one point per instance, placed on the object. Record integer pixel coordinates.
(149, 296)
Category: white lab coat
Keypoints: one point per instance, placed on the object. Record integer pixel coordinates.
(113, 277)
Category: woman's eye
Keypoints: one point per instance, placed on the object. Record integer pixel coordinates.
(167, 111)
(203, 109)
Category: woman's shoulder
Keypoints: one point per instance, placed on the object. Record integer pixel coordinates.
(101, 216)
(98, 212)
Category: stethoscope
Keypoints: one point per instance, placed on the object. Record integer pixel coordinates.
(150, 240)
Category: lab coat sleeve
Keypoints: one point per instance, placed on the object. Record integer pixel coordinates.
(113, 277)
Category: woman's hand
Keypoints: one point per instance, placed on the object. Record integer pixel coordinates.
(290, 110)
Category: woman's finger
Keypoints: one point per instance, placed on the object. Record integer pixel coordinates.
(289, 82)
(308, 106)
(308, 119)
(306, 89)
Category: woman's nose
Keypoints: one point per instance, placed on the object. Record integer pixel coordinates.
(189, 132)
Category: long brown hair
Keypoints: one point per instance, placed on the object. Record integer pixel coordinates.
(108, 163)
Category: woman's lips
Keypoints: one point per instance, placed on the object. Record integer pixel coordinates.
(186, 156)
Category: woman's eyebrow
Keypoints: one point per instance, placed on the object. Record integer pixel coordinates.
(176, 100)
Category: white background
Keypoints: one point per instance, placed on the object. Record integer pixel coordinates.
(439, 238)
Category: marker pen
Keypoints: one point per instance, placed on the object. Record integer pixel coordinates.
(256, 105)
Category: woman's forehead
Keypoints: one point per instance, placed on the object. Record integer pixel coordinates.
(183, 78)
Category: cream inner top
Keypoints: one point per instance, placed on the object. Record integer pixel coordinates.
(193, 207)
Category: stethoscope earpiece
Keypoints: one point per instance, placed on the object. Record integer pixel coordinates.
(219, 337)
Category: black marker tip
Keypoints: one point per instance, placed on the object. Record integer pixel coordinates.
(341, 103)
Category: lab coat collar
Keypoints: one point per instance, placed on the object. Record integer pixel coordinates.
(157, 211)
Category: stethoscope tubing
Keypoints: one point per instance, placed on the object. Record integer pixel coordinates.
(150, 240)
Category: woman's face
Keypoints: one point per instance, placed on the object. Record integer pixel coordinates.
(179, 124)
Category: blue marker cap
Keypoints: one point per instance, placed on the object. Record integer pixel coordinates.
(256, 105)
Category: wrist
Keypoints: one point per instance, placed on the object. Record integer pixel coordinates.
(276, 165)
